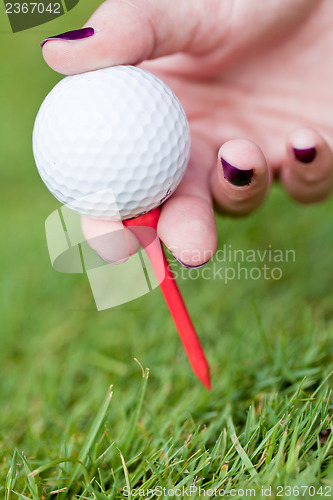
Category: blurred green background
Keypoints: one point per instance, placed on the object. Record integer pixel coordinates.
(58, 354)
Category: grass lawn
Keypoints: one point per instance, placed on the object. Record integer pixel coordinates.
(66, 433)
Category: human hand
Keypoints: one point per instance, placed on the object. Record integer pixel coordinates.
(251, 75)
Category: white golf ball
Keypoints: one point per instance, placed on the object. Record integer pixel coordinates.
(111, 144)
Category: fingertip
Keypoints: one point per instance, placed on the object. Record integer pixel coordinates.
(187, 227)
(63, 52)
(70, 57)
(117, 33)
(307, 173)
(241, 180)
(303, 138)
(110, 239)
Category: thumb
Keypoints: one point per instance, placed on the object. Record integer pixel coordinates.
(122, 32)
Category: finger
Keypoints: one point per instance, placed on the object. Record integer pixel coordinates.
(111, 240)
(241, 180)
(307, 173)
(124, 32)
(187, 222)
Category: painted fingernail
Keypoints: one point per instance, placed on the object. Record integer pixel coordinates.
(189, 267)
(236, 176)
(71, 35)
(305, 155)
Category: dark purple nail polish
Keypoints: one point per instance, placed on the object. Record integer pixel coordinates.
(236, 176)
(189, 267)
(305, 155)
(71, 35)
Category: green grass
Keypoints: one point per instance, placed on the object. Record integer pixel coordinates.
(269, 343)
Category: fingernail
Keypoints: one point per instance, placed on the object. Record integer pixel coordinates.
(103, 258)
(236, 176)
(305, 155)
(110, 261)
(189, 267)
(71, 35)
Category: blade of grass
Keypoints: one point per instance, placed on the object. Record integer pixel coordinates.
(98, 422)
(272, 442)
(244, 457)
(278, 460)
(20, 495)
(11, 477)
(136, 414)
(31, 483)
(127, 479)
(58, 461)
(294, 448)
(105, 452)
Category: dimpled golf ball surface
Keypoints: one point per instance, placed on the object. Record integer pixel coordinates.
(111, 144)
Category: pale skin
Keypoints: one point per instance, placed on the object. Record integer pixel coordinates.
(255, 81)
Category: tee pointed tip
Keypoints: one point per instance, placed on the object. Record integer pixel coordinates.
(205, 380)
